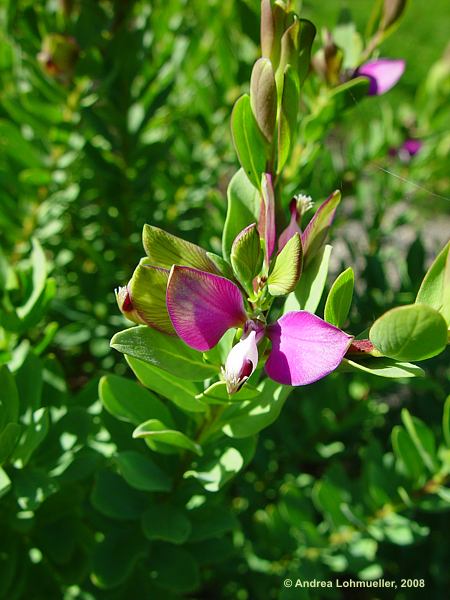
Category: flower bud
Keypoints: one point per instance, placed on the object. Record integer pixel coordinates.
(59, 55)
(241, 362)
(125, 304)
(263, 97)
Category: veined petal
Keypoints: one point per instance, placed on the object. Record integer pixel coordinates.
(203, 306)
(304, 348)
(383, 74)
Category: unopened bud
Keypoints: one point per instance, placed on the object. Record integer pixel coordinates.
(241, 362)
(263, 97)
(125, 304)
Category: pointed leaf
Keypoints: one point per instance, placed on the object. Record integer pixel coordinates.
(157, 432)
(203, 306)
(243, 209)
(413, 332)
(287, 269)
(304, 348)
(248, 140)
(316, 231)
(147, 293)
(339, 299)
(163, 351)
(435, 287)
(165, 250)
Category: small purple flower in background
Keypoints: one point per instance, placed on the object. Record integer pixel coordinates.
(383, 74)
(411, 147)
(203, 306)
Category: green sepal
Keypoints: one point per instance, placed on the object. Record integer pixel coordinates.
(246, 256)
(287, 269)
(147, 290)
(165, 250)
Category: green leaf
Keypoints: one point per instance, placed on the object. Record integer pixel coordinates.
(9, 399)
(243, 209)
(167, 560)
(407, 453)
(349, 93)
(248, 140)
(246, 256)
(155, 433)
(8, 440)
(166, 522)
(435, 287)
(32, 487)
(288, 116)
(179, 391)
(310, 288)
(142, 473)
(286, 271)
(163, 351)
(423, 440)
(306, 35)
(33, 435)
(147, 289)
(329, 499)
(115, 557)
(211, 521)
(252, 416)
(165, 250)
(5, 483)
(446, 422)
(383, 367)
(413, 332)
(115, 498)
(221, 462)
(128, 401)
(263, 97)
(339, 299)
(39, 277)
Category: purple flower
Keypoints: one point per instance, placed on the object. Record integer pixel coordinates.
(383, 74)
(411, 146)
(203, 306)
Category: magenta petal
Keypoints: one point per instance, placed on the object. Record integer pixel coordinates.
(304, 348)
(203, 306)
(383, 74)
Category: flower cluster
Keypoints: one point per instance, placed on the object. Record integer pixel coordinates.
(180, 289)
